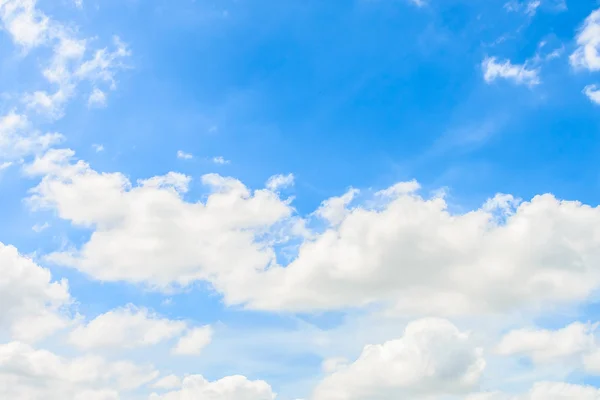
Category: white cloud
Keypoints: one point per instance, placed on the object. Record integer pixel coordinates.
(433, 358)
(167, 382)
(98, 148)
(97, 99)
(194, 341)
(28, 373)
(519, 74)
(220, 160)
(545, 391)
(31, 300)
(277, 182)
(228, 388)
(408, 253)
(593, 93)
(127, 327)
(27, 26)
(334, 209)
(18, 139)
(588, 40)
(543, 346)
(183, 155)
(195, 240)
(526, 7)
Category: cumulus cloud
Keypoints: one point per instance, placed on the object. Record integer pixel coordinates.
(494, 69)
(28, 373)
(407, 252)
(228, 388)
(573, 345)
(586, 55)
(31, 301)
(27, 26)
(433, 358)
(126, 327)
(194, 341)
(544, 345)
(195, 240)
(545, 391)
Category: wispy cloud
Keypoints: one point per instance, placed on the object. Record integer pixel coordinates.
(520, 74)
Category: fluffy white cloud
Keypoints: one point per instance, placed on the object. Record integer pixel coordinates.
(27, 26)
(573, 345)
(19, 139)
(404, 251)
(31, 301)
(28, 373)
(433, 358)
(127, 327)
(280, 181)
(588, 40)
(519, 74)
(543, 345)
(194, 341)
(148, 233)
(167, 382)
(546, 391)
(593, 93)
(229, 388)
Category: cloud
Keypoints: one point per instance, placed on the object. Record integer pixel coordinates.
(97, 99)
(433, 358)
(194, 341)
(573, 345)
(167, 382)
(127, 327)
(229, 388)
(98, 148)
(405, 252)
(545, 391)
(220, 160)
(528, 7)
(334, 209)
(196, 240)
(593, 93)
(27, 26)
(543, 345)
(18, 138)
(494, 69)
(183, 155)
(586, 55)
(277, 182)
(32, 302)
(26, 372)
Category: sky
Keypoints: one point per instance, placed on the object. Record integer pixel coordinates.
(299, 200)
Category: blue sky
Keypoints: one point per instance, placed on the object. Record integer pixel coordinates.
(239, 196)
